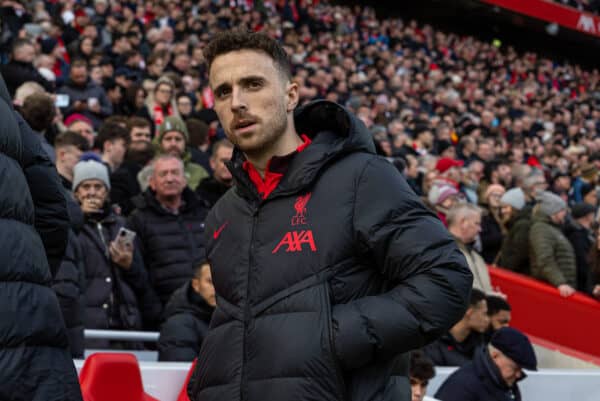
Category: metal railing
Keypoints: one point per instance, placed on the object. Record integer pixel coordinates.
(121, 335)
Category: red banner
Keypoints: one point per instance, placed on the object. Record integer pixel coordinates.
(539, 310)
(567, 17)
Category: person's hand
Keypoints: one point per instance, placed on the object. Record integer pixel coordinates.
(596, 291)
(91, 205)
(566, 290)
(78, 105)
(95, 108)
(121, 254)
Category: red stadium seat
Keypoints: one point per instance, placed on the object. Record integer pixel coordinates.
(112, 377)
(183, 394)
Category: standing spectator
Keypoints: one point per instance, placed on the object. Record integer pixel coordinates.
(199, 142)
(421, 371)
(499, 313)
(39, 111)
(112, 141)
(85, 97)
(492, 229)
(551, 254)
(458, 346)
(162, 102)
(169, 222)
(117, 293)
(494, 372)
(68, 147)
(35, 363)
(187, 316)
(581, 236)
(514, 254)
(172, 139)
(81, 125)
(212, 188)
(20, 68)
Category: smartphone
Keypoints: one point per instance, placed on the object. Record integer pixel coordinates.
(92, 102)
(62, 100)
(125, 236)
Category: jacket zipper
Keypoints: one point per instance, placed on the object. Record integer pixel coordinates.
(244, 380)
(111, 300)
(338, 373)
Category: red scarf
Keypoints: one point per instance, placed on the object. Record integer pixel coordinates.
(159, 115)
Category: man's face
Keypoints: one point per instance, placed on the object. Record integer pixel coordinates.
(203, 285)
(91, 195)
(471, 227)
(418, 389)
(26, 54)
(85, 130)
(139, 136)
(505, 174)
(252, 99)
(217, 163)
(485, 151)
(79, 74)
(509, 370)
(173, 143)
(69, 156)
(559, 217)
(184, 105)
(500, 319)
(163, 94)
(478, 317)
(168, 179)
(116, 150)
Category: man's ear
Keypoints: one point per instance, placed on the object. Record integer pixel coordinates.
(293, 96)
(152, 183)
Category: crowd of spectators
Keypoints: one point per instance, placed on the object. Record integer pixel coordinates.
(504, 147)
(592, 6)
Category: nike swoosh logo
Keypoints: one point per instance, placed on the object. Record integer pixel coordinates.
(219, 230)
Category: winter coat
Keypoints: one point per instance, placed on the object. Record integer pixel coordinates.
(83, 93)
(491, 238)
(514, 254)
(324, 287)
(116, 298)
(171, 245)
(187, 316)
(479, 380)
(446, 351)
(124, 186)
(35, 363)
(16, 73)
(194, 173)
(481, 274)
(551, 254)
(582, 241)
(211, 190)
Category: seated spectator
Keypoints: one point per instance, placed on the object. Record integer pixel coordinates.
(169, 222)
(464, 223)
(68, 148)
(458, 346)
(118, 293)
(172, 139)
(492, 229)
(580, 234)
(212, 188)
(499, 313)
(494, 372)
(551, 254)
(187, 316)
(514, 254)
(421, 371)
(20, 68)
(112, 141)
(85, 97)
(81, 125)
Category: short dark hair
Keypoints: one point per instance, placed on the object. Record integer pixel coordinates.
(111, 131)
(230, 41)
(199, 266)
(70, 138)
(198, 131)
(137, 122)
(39, 111)
(476, 297)
(421, 367)
(19, 43)
(223, 143)
(496, 304)
(79, 62)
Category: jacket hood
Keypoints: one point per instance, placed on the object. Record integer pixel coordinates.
(334, 133)
(186, 300)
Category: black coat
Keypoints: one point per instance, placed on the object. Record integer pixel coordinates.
(172, 245)
(491, 238)
(324, 287)
(446, 351)
(124, 185)
(35, 363)
(211, 190)
(115, 298)
(17, 73)
(479, 380)
(582, 241)
(187, 316)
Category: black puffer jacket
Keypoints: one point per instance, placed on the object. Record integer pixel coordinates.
(324, 287)
(187, 316)
(446, 351)
(35, 364)
(114, 296)
(172, 245)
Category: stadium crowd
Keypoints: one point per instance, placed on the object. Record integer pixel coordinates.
(504, 147)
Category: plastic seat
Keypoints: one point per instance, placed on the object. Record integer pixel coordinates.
(112, 377)
(183, 394)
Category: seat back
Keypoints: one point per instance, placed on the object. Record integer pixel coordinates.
(183, 394)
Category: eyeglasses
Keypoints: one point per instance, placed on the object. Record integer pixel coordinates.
(165, 91)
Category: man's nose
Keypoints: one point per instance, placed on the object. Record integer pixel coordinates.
(238, 100)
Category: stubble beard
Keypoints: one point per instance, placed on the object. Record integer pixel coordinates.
(272, 132)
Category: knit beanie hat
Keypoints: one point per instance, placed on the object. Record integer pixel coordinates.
(515, 198)
(90, 170)
(172, 123)
(439, 193)
(550, 203)
(494, 188)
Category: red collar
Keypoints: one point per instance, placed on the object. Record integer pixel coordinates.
(276, 167)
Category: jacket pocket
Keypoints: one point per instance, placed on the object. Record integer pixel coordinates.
(336, 367)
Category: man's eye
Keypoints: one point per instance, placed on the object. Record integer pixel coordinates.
(223, 92)
(255, 84)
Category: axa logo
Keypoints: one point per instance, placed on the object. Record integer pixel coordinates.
(294, 241)
(586, 23)
(300, 207)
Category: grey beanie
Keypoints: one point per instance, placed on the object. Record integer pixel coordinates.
(90, 170)
(550, 203)
(514, 197)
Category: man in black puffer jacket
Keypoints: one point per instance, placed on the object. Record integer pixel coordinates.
(35, 363)
(187, 316)
(169, 222)
(328, 269)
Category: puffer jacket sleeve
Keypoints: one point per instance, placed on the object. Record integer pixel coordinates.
(51, 216)
(180, 338)
(541, 240)
(428, 276)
